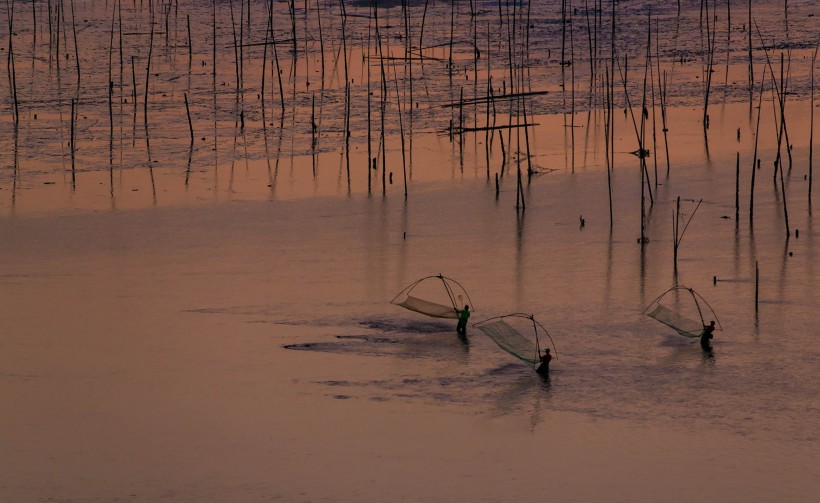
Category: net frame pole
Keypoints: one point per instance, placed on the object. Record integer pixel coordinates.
(698, 298)
(449, 292)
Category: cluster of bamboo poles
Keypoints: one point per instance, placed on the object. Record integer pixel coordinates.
(511, 61)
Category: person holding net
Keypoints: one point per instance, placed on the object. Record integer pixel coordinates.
(463, 316)
(544, 368)
(706, 336)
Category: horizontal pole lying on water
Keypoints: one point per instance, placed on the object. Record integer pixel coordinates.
(259, 44)
(458, 130)
(488, 99)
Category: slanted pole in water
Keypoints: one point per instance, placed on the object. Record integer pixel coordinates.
(737, 190)
(751, 64)
(401, 133)
(321, 41)
(811, 122)
(383, 100)
(607, 128)
(190, 43)
(72, 139)
(754, 157)
(277, 68)
(421, 31)
(678, 232)
(77, 49)
(111, 86)
(188, 113)
(147, 69)
(757, 284)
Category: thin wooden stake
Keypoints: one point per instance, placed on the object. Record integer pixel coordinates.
(76, 47)
(190, 43)
(737, 190)
(757, 284)
(188, 113)
(755, 162)
(72, 138)
(811, 122)
(148, 69)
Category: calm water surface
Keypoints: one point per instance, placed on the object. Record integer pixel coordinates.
(213, 324)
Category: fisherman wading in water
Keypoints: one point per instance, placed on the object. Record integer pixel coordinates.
(706, 336)
(544, 367)
(463, 316)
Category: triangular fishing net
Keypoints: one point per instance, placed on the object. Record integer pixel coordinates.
(517, 334)
(684, 326)
(436, 296)
(683, 310)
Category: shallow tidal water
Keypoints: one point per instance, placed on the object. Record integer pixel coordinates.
(247, 351)
(219, 328)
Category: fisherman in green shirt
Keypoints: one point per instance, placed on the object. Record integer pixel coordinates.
(461, 328)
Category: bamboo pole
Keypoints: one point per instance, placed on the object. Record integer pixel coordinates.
(607, 127)
(680, 233)
(641, 152)
(527, 138)
(383, 99)
(737, 190)
(235, 50)
(50, 35)
(612, 88)
(322, 41)
(606, 121)
(12, 68)
(811, 122)
(190, 43)
(188, 113)
(572, 85)
(652, 101)
(292, 8)
(111, 82)
(408, 31)
(675, 227)
(751, 63)
(784, 86)
(122, 53)
(662, 94)
(728, 45)
(72, 138)
(276, 62)
(591, 55)
(347, 89)
(452, 34)
(369, 124)
(421, 31)
(487, 132)
(268, 5)
(780, 99)
(757, 284)
(134, 98)
(755, 162)
(76, 47)
(710, 59)
(401, 134)
(461, 123)
(57, 9)
(148, 68)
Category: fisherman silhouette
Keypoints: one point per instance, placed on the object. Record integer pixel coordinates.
(706, 336)
(463, 315)
(544, 367)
